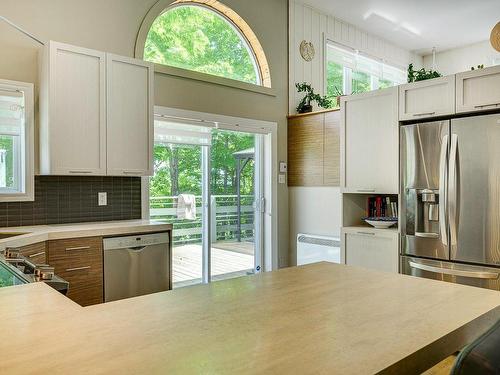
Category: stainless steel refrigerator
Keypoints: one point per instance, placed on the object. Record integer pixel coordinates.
(450, 200)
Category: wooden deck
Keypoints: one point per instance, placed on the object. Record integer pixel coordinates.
(229, 259)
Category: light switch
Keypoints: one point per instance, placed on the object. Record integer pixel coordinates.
(283, 167)
(281, 178)
(102, 199)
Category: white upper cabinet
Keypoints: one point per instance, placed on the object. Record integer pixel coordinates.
(429, 98)
(96, 113)
(72, 111)
(129, 116)
(369, 142)
(478, 90)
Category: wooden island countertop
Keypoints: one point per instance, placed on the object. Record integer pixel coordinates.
(321, 318)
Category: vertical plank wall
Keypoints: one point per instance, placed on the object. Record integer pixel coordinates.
(307, 23)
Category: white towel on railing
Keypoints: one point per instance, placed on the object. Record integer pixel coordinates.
(186, 207)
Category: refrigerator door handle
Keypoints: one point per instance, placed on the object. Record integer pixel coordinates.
(455, 272)
(453, 191)
(443, 199)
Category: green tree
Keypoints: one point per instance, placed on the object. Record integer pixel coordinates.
(195, 38)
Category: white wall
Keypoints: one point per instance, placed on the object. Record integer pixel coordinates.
(313, 210)
(316, 210)
(307, 23)
(112, 26)
(461, 59)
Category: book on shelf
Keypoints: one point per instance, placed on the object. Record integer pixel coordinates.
(379, 206)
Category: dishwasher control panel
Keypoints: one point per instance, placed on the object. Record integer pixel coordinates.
(136, 240)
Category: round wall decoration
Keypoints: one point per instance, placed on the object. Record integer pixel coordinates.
(307, 50)
(495, 37)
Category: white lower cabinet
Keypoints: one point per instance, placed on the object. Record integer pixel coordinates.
(376, 249)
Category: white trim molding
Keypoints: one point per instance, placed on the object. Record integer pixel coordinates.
(27, 169)
(270, 131)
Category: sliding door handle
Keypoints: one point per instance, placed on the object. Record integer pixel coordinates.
(455, 272)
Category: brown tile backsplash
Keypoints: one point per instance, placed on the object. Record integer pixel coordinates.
(72, 199)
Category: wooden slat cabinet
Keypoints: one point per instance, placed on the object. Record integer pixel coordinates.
(314, 149)
(35, 253)
(478, 90)
(80, 262)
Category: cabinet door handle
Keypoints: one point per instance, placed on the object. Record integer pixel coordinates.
(424, 114)
(367, 233)
(133, 172)
(37, 254)
(77, 269)
(77, 248)
(486, 105)
(80, 172)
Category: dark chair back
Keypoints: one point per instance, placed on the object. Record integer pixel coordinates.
(481, 356)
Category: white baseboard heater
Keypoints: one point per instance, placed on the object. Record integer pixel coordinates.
(312, 248)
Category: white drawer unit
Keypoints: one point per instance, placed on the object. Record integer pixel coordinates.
(478, 90)
(371, 248)
(425, 99)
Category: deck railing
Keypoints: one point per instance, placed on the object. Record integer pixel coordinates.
(223, 211)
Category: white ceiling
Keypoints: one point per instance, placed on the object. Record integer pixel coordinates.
(419, 25)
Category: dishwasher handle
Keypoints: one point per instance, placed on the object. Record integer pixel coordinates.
(136, 249)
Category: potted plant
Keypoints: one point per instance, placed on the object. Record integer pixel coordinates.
(305, 104)
(421, 75)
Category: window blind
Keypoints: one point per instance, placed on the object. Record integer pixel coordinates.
(361, 63)
(181, 131)
(341, 56)
(11, 112)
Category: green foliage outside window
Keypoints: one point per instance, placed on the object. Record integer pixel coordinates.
(195, 38)
(7, 144)
(178, 167)
(361, 82)
(334, 80)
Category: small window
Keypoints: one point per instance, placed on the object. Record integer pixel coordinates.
(349, 72)
(16, 141)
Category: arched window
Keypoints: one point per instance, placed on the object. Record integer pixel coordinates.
(204, 36)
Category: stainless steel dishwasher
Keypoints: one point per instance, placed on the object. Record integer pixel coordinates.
(136, 265)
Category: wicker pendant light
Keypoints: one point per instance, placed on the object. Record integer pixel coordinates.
(495, 37)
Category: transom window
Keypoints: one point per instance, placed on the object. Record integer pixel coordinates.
(202, 37)
(349, 72)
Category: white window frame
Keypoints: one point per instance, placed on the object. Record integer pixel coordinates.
(348, 71)
(25, 168)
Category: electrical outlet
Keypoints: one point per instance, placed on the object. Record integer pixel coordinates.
(102, 199)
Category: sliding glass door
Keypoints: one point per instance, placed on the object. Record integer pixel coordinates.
(234, 180)
(208, 184)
